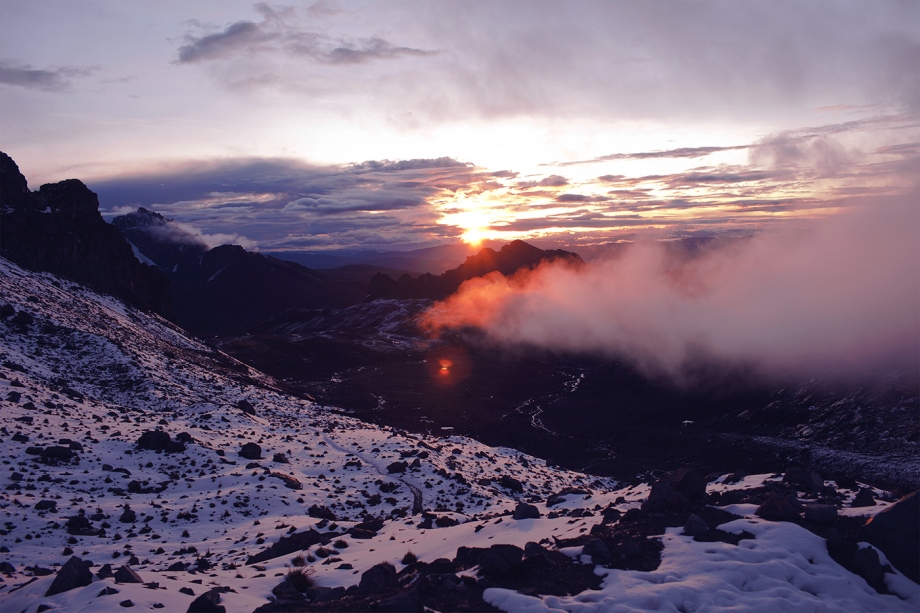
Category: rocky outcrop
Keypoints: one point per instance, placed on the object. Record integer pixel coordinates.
(514, 256)
(896, 531)
(58, 229)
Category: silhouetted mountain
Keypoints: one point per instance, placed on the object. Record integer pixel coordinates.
(228, 289)
(160, 240)
(511, 258)
(434, 260)
(58, 229)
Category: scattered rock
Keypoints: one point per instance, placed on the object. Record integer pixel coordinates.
(821, 513)
(509, 482)
(251, 451)
(525, 511)
(863, 498)
(684, 487)
(500, 560)
(289, 481)
(397, 467)
(777, 507)
(45, 505)
(321, 512)
(378, 578)
(280, 458)
(56, 454)
(209, 602)
(695, 526)
(73, 574)
(126, 574)
(246, 407)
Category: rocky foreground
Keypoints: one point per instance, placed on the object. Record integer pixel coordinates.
(145, 469)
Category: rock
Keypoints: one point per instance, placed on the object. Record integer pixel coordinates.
(56, 454)
(6, 568)
(868, 565)
(598, 550)
(378, 578)
(286, 592)
(297, 541)
(246, 407)
(896, 531)
(177, 567)
(251, 451)
(320, 512)
(777, 508)
(105, 572)
(560, 495)
(404, 602)
(325, 594)
(397, 467)
(695, 526)
(157, 440)
(511, 483)
(44, 505)
(126, 574)
(525, 511)
(821, 513)
(289, 482)
(500, 560)
(79, 525)
(684, 487)
(73, 574)
(209, 602)
(863, 498)
(187, 591)
(806, 478)
(126, 604)
(129, 516)
(184, 437)
(107, 591)
(280, 458)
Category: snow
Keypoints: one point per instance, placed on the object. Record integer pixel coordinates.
(784, 568)
(135, 371)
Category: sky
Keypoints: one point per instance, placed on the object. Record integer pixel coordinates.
(395, 125)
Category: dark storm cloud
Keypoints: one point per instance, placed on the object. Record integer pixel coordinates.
(279, 32)
(283, 202)
(53, 80)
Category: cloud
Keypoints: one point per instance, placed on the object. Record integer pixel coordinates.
(53, 80)
(683, 152)
(280, 34)
(279, 203)
(838, 299)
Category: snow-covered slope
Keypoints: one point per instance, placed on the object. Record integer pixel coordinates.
(84, 375)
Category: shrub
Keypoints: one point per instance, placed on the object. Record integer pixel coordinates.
(301, 578)
(409, 558)
(299, 561)
(340, 544)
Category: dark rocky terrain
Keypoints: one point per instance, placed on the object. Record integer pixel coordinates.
(59, 229)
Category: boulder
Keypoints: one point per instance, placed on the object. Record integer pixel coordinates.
(777, 507)
(157, 440)
(246, 407)
(695, 526)
(378, 578)
(807, 479)
(397, 467)
(126, 574)
(209, 602)
(251, 451)
(863, 498)
(896, 531)
(321, 512)
(868, 565)
(511, 483)
(56, 454)
(821, 513)
(289, 482)
(500, 561)
(525, 511)
(73, 574)
(684, 487)
(598, 550)
(45, 505)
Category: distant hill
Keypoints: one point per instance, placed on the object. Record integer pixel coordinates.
(511, 258)
(434, 260)
(58, 229)
(228, 289)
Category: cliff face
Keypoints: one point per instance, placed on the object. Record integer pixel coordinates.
(58, 229)
(511, 258)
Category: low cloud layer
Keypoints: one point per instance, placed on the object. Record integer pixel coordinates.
(841, 298)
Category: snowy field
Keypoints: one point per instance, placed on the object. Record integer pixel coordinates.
(91, 375)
